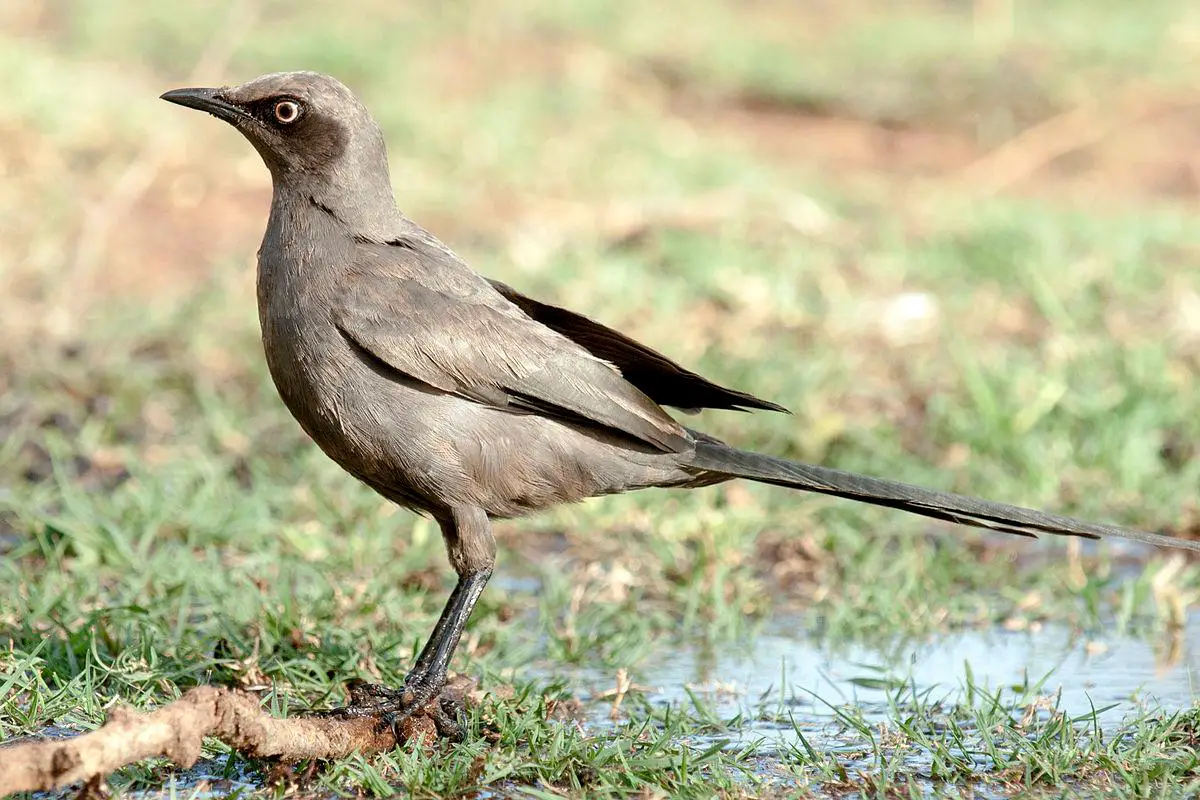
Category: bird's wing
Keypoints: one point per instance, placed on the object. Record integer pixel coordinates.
(416, 310)
(660, 378)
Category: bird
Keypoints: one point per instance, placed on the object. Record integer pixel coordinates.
(460, 398)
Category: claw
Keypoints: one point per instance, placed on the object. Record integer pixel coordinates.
(446, 714)
(368, 694)
(393, 707)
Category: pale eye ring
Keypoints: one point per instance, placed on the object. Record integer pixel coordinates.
(287, 111)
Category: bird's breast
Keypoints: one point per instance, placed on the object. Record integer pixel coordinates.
(305, 354)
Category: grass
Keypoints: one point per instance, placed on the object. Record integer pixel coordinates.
(791, 219)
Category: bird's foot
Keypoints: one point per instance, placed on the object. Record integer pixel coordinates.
(366, 700)
(427, 695)
(400, 709)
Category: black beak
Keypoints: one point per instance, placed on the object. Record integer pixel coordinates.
(209, 100)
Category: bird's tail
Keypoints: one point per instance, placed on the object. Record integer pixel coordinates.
(720, 459)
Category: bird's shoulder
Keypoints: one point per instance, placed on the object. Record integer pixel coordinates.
(416, 274)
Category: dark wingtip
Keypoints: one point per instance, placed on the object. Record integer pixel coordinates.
(750, 403)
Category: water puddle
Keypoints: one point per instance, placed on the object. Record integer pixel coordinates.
(207, 780)
(784, 694)
(1097, 671)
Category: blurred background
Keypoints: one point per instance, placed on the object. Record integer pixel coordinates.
(957, 239)
(526, 132)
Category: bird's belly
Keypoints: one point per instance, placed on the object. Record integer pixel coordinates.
(457, 452)
(433, 451)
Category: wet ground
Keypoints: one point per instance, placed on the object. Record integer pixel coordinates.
(781, 695)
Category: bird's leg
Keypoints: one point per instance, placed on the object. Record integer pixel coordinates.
(442, 642)
(369, 698)
(428, 676)
(472, 551)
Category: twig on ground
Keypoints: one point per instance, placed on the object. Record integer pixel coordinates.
(623, 685)
(177, 731)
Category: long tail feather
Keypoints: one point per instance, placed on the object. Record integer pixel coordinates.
(721, 459)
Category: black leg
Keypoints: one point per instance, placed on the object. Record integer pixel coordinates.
(472, 552)
(428, 676)
(434, 658)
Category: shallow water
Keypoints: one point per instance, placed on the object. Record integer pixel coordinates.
(1095, 671)
(784, 687)
(207, 779)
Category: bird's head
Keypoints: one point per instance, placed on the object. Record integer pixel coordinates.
(311, 131)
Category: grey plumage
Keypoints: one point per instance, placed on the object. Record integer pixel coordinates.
(461, 398)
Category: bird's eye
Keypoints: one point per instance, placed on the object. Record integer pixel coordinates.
(287, 111)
